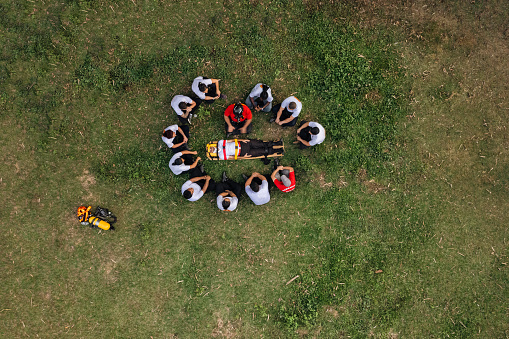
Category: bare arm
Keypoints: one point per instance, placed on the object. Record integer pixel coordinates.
(248, 182)
(273, 175)
(244, 129)
(206, 186)
(287, 168)
(303, 141)
(227, 120)
(278, 115)
(286, 120)
(258, 175)
(303, 126)
(188, 152)
(195, 163)
(195, 179)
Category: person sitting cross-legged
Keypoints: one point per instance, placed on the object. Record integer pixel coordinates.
(283, 177)
(257, 188)
(207, 89)
(183, 162)
(310, 134)
(228, 194)
(286, 113)
(185, 107)
(237, 119)
(176, 137)
(198, 184)
(260, 98)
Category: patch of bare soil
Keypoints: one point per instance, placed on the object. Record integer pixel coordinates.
(225, 330)
(87, 180)
(371, 185)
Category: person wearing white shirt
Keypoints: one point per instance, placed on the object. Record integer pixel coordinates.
(207, 89)
(310, 134)
(185, 107)
(176, 137)
(183, 162)
(257, 188)
(198, 184)
(260, 98)
(228, 194)
(286, 113)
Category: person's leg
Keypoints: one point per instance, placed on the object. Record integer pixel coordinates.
(234, 187)
(183, 121)
(291, 123)
(304, 134)
(212, 90)
(212, 186)
(274, 110)
(198, 103)
(249, 128)
(187, 159)
(302, 146)
(268, 108)
(195, 172)
(220, 187)
(248, 102)
(185, 129)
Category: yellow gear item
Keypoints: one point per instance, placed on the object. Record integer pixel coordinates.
(237, 149)
(95, 221)
(212, 156)
(83, 213)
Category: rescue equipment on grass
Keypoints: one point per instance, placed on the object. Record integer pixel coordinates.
(101, 218)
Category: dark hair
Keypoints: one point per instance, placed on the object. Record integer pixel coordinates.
(169, 134)
(292, 105)
(202, 87)
(226, 204)
(182, 105)
(177, 162)
(238, 109)
(264, 95)
(314, 130)
(187, 194)
(254, 186)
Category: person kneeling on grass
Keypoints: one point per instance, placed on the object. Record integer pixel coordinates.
(228, 194)
(207, 89)
(198, 184)
(310, 134)
(185, 107)
(176, 137)
(286, 113)
(260, 98)
(283, 177)
(237, 119)
(257, 188)
(183, 162)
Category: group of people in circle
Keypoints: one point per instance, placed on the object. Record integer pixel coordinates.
(238, 118)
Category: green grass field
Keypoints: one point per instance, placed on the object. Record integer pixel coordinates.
(397, 227)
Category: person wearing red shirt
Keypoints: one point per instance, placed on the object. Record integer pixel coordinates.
(283, 177)
(237, 119)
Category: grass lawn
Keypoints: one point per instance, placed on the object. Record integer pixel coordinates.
(397, 227)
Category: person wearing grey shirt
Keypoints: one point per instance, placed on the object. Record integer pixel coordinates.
(257, 188)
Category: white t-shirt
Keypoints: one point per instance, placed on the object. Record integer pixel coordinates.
(167, 141)
(230, 149)
(318, 138)
(233, 202)
(177, 169)
(262, 196)
(197, 193)
(195, 88)
(258, 89)
(296, 111)
(177, 99)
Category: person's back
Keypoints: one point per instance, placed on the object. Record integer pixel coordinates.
(259, 194)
